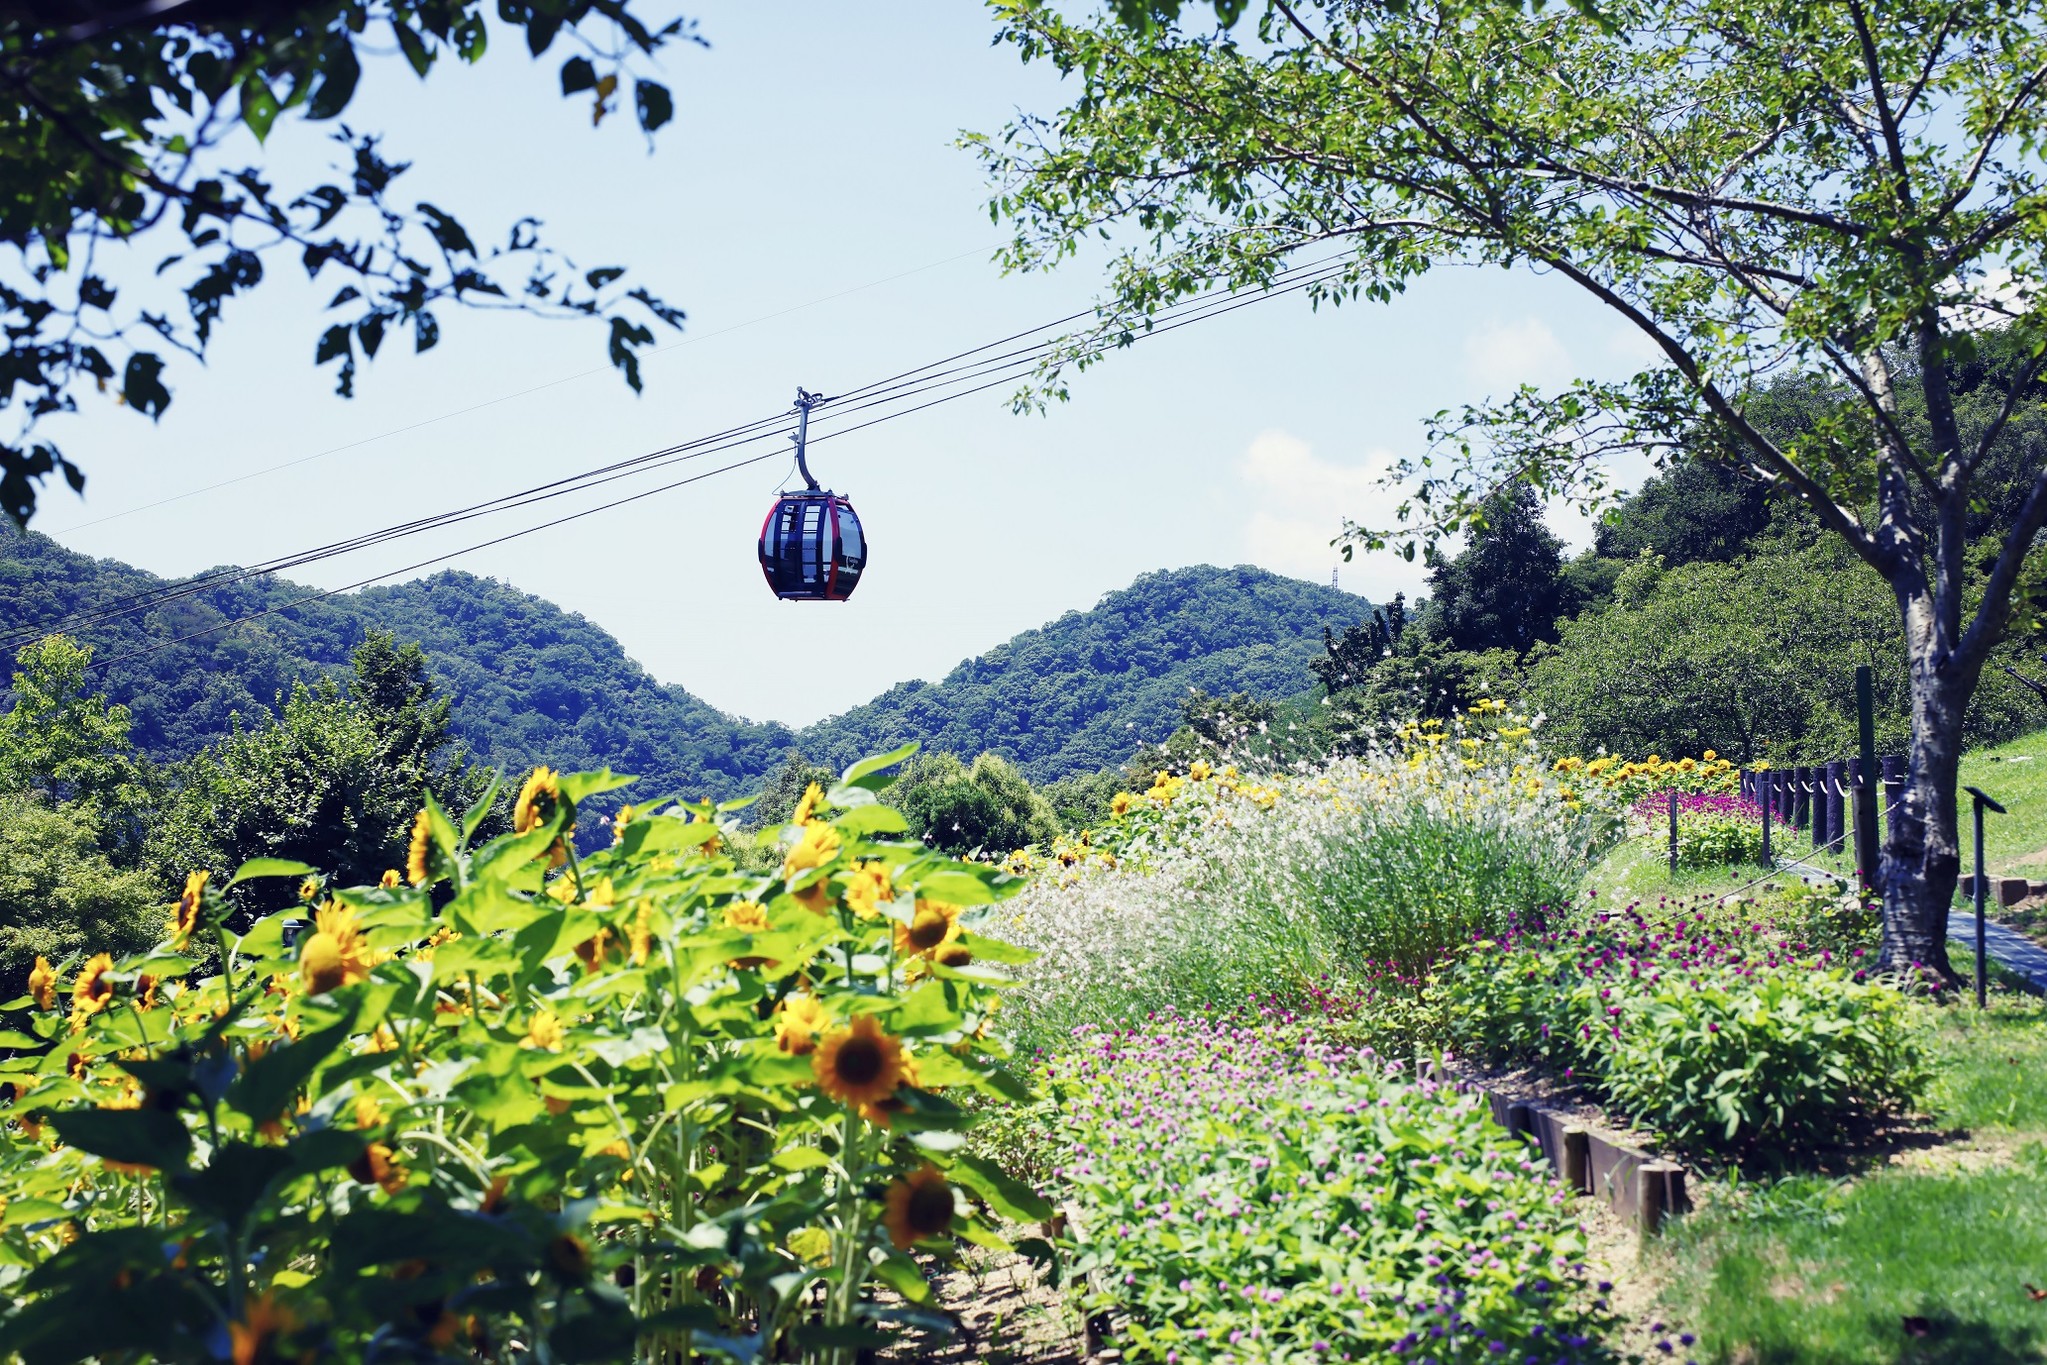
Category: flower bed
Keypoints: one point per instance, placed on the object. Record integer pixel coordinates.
(1719, 1034)
(640, 1105)
(1252, 1194)
(1714, 829)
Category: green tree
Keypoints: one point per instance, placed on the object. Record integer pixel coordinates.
(989, 806)
(1693, 510)
(59, 744)
(1757, 187)
(111, 141)
(777, 801)
(1504, 589)
(333, 780)
(60, 896)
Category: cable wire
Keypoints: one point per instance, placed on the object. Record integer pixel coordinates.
(963, 379)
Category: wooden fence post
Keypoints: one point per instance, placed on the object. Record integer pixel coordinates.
(1837, 814)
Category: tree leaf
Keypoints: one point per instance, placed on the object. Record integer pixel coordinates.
(259, 105)
(578, 75)
(142, 384)
(654, 104)
(270, 1082)
(339, 72)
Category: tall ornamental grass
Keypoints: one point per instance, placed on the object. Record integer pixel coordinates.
(1213, 886)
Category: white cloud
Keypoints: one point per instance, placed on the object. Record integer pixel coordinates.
(1297, 505)
(1501, 356)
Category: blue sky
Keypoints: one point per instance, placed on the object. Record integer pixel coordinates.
(808, 210)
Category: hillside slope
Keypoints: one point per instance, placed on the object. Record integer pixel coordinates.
(1081, 693)
(534, 683)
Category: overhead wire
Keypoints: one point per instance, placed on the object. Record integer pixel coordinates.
(975, 375)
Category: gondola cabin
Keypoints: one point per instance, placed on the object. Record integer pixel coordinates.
(812, 548)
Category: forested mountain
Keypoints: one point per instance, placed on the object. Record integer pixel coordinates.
(531, 682)
(1081, 693)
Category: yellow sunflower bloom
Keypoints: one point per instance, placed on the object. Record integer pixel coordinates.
(747, 916)
(867, 888)
(818, 846)
(93, 990)
(336, 954)
(801, 1018)
(544, 1033)
(859, 1064)
(391, 880)
(1121, 802)
(42, 984)
(620, 821)
(309, 888)
(918, 1208)
(184, 920)
(641, 938)
(807, 807)
(252, 1337)
(419, 854)
(934, 925)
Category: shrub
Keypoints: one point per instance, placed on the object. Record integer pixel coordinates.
(1212, 886)
(1721, 1037)
(645, 1106)
(1251, 1194)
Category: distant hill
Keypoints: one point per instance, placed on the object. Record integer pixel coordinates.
(1081, 693)
(532, 682)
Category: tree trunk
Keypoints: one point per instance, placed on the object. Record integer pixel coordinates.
(1922, 853)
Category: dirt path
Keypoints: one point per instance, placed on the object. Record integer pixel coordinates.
(1008, 1316)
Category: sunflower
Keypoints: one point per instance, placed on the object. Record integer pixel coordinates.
(933, 927)
(807, 807)
(641, 937)
(592, 951)
(818, 846)
(378, 1165)
(544, 1033)
(309, 888)
(867, 888)
(336, 955)
(419, 855)
(798, 1022)
(42, 984)
(817, 897)
(620, 821)
(859, 1064)
(918, 1207)
(252, 1335)
(93, 990)
(1121, 802)
(391, 880)
(184, 920)
(749, 916)
(540, 801)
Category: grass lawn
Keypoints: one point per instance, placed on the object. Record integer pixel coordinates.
(1924, 1258)
(2015, 775)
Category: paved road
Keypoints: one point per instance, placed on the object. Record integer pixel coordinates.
(2015, 952)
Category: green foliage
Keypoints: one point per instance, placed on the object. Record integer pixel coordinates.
(1504, 589)
(648, 1106)
(988, 807)
(1080, 694)
(786, 787)
(1751, 658)
(1718, 840)
(119, 126)
(333, 781)
(530, 681)
(1246, 1187)
(1693, 510)
(61, 745)
(60, 895)
(1708, 1030)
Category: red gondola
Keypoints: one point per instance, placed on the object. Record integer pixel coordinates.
(811, 548)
